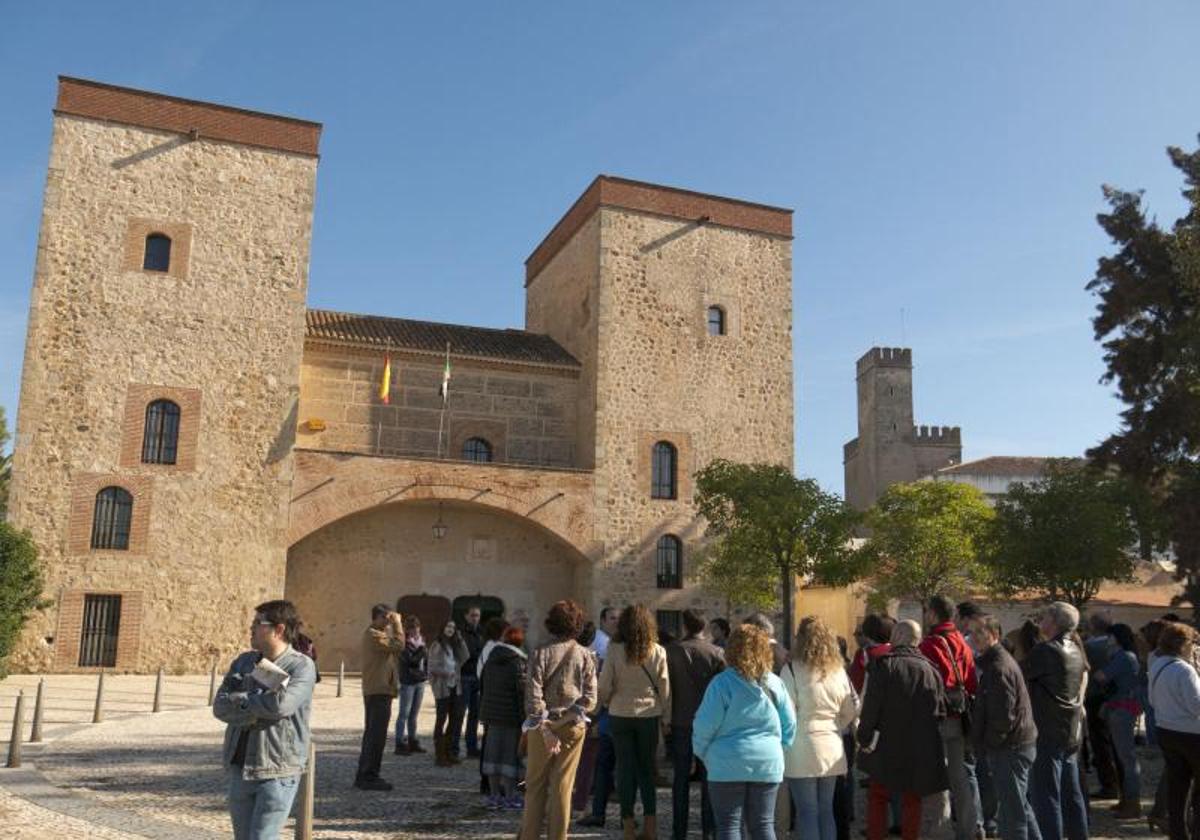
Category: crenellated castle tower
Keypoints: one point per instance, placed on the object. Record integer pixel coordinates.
(889, 447)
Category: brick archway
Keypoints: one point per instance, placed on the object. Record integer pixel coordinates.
(329, 486)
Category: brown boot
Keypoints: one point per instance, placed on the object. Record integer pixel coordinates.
(649, 828)
(441, 746)
(628, 829)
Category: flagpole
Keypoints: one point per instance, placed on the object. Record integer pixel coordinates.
(445, 399)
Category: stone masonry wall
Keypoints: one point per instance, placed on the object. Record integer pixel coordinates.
(101, 332)
(527, 415)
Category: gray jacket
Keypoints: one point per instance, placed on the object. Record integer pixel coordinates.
(277, 722)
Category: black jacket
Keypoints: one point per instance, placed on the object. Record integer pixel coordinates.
(502, 688)
(413, 665)
(905, 701)
(1002, 716)
(1053, 674)
(473, 636)
(691, 663)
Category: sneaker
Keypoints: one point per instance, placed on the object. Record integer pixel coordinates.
(514, 803)
(493, 803)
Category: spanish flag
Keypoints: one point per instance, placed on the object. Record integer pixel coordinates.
(385, 387)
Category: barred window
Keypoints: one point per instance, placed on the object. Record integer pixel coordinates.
(160, 440)
(670, 562)
(101, 629)
(477, 449)
(670, 622)
(662, 471)
(716, 320)
(158, 253)
(111, 518)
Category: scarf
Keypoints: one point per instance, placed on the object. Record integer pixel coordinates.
(414, 640)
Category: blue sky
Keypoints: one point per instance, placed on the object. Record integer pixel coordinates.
(944, 160)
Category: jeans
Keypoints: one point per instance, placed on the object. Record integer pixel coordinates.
(1181, 752)
(1121, 727)
(752, 803)
(988, 803)
(964, 791)
(1010, 770)
(469, 687)
(259, 808)
(377, 711)
(1056, 794)
(682, 757)
(813, 800)
(1099, 747)
(606, 765)
(636, 742)
(410, 707)
(449, 710)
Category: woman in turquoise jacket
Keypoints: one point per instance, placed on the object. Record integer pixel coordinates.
(744, 724)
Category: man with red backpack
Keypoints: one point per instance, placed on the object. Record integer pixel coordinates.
(946, 648)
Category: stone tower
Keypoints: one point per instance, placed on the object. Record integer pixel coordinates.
(627, 282)
(153, 448)
(889, 447)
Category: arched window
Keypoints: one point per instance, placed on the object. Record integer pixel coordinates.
(670, 562)
(477, 449)
(662, 471)
(158, 253)
(160, 440)
(716, 320)
(111, 517)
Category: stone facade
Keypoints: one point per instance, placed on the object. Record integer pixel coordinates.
(294, 478)
(889, 448)
(208, 532)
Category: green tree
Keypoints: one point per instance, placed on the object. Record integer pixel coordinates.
(20, 586)
(1148, 320)
(5, 465)
(927, 538)
(744, 579)
(768, 518)
(1064, 535)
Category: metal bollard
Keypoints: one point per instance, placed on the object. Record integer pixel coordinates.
(158, 686)
(307, 796)
(98, 713)
(14, 746)
(341, 677)
(212, 683)
(35, 736)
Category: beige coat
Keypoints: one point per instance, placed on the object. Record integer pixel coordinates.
(629, 690)
(379, 662)
(824, 708)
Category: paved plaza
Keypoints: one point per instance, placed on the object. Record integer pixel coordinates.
(139, 774)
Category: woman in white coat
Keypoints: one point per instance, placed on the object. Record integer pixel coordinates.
(826, 704)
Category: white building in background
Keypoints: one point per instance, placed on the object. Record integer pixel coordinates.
(993, 476)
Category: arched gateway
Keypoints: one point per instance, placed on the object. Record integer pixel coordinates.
(365, 530)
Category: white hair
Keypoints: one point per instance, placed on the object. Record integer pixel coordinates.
(1064, 616)
(906, 632)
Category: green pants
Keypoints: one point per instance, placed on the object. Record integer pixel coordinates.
(636, 743)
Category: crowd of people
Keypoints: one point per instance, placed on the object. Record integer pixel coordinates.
(957, 729)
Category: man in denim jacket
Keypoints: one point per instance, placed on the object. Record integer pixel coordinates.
(266, 740)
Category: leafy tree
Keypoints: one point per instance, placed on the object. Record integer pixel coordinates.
(1148, 320)
(769, 518)
(20, 586)
(1064, 535)
(926, 539)
(5, 465)
(743, 578)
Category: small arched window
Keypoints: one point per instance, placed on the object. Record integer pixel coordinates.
(477, 449)
(158, 253)
(716, 320)
(670, 562)
(662, 471)
(111, 518)
(160, 440)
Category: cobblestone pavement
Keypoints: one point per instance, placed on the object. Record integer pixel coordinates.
(144, 775)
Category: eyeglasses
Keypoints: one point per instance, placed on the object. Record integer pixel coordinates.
(254, 624)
